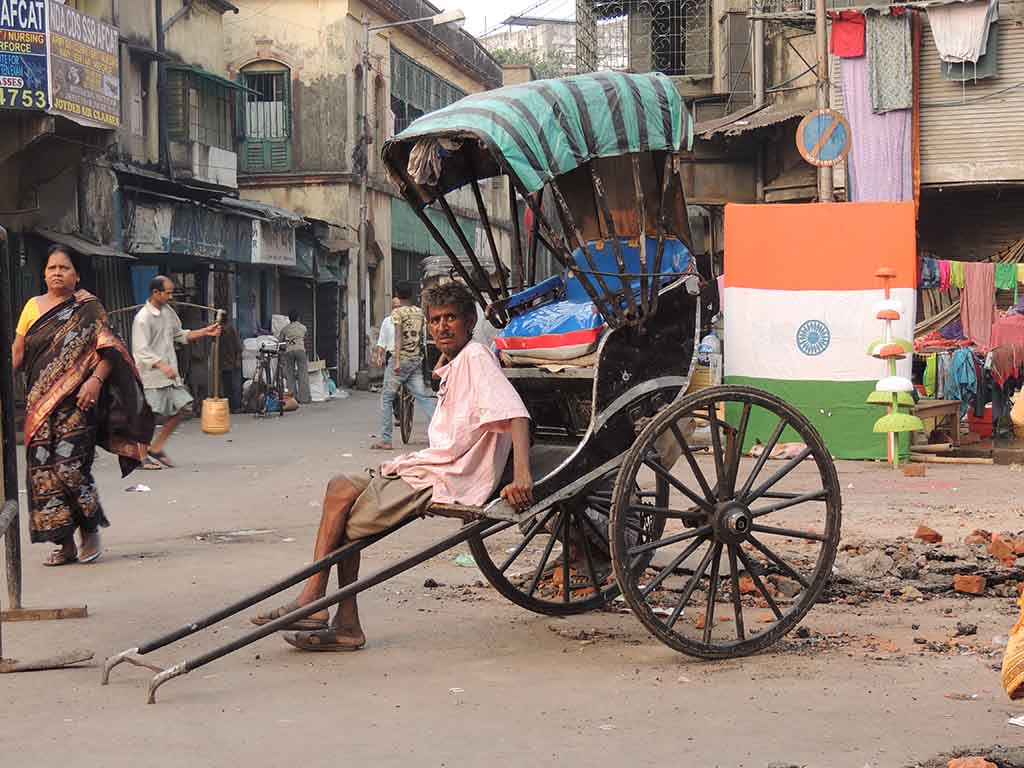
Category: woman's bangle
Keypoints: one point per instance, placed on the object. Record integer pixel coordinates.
(101, 381)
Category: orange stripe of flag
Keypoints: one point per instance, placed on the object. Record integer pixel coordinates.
(819, 246)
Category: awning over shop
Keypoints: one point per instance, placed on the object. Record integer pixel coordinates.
(210, 77)
(263, 211)
(82, 245)
(751, 119)
(409, 234)
(329, 265)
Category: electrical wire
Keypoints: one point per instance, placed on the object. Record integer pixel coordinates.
(974, 99)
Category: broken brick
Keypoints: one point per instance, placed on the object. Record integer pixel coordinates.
(924, 533)
(747, 586)
(1001, 549)
(915, 470)
(970, 762)
(978, 536)
(969, 585)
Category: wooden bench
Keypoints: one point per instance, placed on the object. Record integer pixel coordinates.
(940, 410)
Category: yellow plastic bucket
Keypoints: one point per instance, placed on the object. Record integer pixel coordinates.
(216, 419)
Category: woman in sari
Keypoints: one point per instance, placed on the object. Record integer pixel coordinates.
(83, 391)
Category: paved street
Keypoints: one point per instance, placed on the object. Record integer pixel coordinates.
(455, 676)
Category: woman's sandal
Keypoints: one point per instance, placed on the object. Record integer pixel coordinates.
(309, 623)
(60, 557)
(149, 464)
(322, 640)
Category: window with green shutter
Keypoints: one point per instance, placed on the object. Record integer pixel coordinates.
(267, 145)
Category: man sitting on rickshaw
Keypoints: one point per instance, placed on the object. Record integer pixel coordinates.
(479, 419)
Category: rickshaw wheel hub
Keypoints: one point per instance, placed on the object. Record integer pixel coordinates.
(732, 521)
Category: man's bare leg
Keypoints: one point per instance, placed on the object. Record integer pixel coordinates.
(338, 500)
(346, 627)
(165, 432)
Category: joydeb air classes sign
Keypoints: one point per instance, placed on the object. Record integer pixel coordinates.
(56, 59)
(85, 82)
(24, 74)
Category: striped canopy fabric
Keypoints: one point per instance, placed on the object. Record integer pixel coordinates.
(541, 130)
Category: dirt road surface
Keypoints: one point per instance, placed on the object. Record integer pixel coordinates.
(455, 676)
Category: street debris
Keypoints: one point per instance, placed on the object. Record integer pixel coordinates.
(964, 630)
(138, 488)
(912, 569)
(432, 584)
(465, 560)
(930, 535)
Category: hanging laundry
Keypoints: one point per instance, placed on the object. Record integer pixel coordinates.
(962, 383)
(943, 275)
(1020, 273)
(954, 330)
(986, 66)
(929, 273)
(890, 61)
(956, 274)
(847, 39)
(879, 163)
(978, 302)
(961, 30)
(1006, 277)
(930, 371)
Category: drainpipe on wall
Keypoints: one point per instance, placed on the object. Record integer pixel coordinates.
(825, 189)
(161, 87)
(759, 101)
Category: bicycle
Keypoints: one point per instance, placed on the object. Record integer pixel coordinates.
(266, 393)
(402, 406)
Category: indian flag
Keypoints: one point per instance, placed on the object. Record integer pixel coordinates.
(800, 287)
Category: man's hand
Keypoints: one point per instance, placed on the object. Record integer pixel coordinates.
(378, 357)
(519, 493)
(213, 330)
(167, 371)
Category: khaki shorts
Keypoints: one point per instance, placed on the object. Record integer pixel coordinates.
(383, 501)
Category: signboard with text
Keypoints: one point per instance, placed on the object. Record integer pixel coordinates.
(23, 69)
(272, 245)
(84, 67)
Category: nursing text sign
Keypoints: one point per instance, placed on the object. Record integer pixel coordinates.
(23, 68)
(85, 82)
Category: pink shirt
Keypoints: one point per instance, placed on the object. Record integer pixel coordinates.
(469, 434)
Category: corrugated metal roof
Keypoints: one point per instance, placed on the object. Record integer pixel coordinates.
(262, 211)
(973, 131)
(748, 120)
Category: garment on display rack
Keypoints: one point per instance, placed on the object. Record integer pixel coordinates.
(1006, 277)
(879, 163)
(847, 38)
(954, 329)
(930, 374)
(962, 383)
(929, 273)
(986, 66)
(956, 274)
(890, 61)
(960, 29)
(943, 275)
(978, 302)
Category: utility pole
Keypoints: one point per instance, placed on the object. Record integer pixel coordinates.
(825, 190)
(364, 206)
(441, 19)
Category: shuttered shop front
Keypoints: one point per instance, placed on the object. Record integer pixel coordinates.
(973, 132)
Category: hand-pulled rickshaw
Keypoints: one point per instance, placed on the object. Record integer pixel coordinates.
(642, 490)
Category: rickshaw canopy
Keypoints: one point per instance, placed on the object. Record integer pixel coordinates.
(536, 131)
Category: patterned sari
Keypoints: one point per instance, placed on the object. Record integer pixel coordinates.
(62, 349)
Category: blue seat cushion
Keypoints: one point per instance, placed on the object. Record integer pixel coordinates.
(559, 330)
(572, 327)
(675, 259)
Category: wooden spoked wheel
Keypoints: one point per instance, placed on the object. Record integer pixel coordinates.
(748, 541)
(531, 569)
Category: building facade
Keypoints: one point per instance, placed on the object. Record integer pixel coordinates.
(302, 65)
(129, 155)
